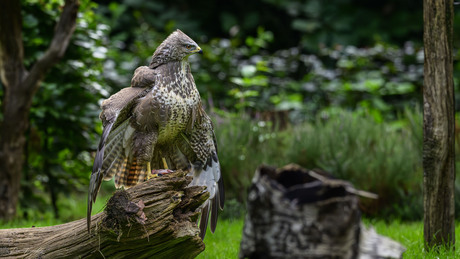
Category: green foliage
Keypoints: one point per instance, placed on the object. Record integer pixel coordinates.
(352, 22)
(243, 145)
(376, 157)
(381, 80)
(71, 206)
(64, 112)
(384, 158)
(233, 210)
(252, 81)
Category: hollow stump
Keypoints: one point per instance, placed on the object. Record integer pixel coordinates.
(297, 213)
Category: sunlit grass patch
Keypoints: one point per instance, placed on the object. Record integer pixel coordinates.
(225, 242)
(410, 234)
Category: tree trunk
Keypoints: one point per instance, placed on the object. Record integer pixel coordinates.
(20, 86)
(438, 124)
(296, 213)
(165, 228)
(12, 73)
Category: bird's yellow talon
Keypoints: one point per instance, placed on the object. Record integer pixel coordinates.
(149, 172)
(164, 163)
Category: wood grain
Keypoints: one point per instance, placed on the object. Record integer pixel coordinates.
(169, 231)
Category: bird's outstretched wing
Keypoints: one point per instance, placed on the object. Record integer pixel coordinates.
(206, 168)
(114, 151)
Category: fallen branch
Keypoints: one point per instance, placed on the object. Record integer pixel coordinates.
(150, 220)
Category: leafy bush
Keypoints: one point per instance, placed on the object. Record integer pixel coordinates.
(384, 158)
(376, 157)
(381, 80)
(243, 145)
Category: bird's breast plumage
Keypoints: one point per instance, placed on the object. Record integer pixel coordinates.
(171, 102)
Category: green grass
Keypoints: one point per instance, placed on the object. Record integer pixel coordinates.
(411, 236)
(225, 243)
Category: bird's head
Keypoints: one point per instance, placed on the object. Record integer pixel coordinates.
(176, 47)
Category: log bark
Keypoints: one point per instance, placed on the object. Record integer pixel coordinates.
(155, 219)
(297, 213)
(438, 124)
(19, 86)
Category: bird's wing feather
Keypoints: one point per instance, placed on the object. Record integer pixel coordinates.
(113, 150)
(202, 152)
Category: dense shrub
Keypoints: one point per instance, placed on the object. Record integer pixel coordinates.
(377, 157)
(243, 145)
(384, 158)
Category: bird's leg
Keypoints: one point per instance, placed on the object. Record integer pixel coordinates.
(164, 163)
(149, 171)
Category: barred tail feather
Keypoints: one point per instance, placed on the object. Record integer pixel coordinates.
(131, 172)
(120, 175)
(136, 173)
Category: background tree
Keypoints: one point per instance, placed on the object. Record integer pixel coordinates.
(19, 86)
(438, 124)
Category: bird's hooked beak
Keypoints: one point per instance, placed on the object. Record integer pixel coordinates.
(198, 50)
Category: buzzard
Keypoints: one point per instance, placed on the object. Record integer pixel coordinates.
(158, 123)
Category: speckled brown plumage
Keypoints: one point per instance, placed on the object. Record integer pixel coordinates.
(159, 118)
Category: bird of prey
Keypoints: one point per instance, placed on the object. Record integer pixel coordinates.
(158, 123)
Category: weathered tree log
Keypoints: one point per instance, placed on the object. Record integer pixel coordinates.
(155, 219)
(296, 213)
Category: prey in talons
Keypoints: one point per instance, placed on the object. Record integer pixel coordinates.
(158, 172)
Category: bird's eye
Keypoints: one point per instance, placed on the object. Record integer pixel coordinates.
(188, 46)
